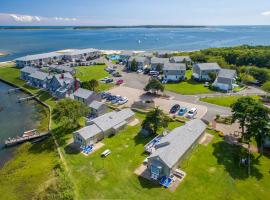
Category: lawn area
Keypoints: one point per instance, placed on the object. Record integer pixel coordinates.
(225, 101)
(86, 73)
(188, 87)
(29, 171)
(212, 172)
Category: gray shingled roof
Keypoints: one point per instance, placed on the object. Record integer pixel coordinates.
(178, 142)
(96, 105)
(68, 78)
(29, 70)
(112, 119)
(89, 131)
(174, 67)
(156, 60)
(39, 56)
(227, 73)
(39, 75)
(181, 58)
(83, 93)
(208, 66)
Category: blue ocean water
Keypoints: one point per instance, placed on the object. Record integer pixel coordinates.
(24, 42)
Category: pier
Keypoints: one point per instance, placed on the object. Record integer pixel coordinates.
(27, 136)
(25, 99)
(14, 90)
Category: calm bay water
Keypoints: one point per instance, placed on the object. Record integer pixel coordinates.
(24, 42)
(15, 118)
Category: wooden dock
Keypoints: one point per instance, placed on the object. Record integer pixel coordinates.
(26, 99)
(27, 136)
(13, 90)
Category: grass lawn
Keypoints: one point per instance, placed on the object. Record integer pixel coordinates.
(213, 172)
(86, 73)
(188, 87)
(225, 101)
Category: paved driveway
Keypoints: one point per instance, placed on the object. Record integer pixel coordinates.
(165, 104)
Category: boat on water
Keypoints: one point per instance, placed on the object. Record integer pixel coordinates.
(27, 136)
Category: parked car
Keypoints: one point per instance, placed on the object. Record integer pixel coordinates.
(191, 114)
(105, 95)
(139, 71)
(109, 80)
(123, 100)
(116, 74)
(105, 153)
(119, 82)
(182, 111)
(104, 79)
(152, 73)
(146, 71)
(175, 108)
(116, 99)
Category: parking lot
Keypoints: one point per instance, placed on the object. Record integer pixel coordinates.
(165, 104)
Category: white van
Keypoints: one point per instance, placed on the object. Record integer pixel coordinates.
(106, 153)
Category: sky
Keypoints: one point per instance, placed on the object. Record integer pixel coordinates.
(134, 12)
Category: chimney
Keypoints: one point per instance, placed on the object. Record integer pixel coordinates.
(62, 76)
(76, 84)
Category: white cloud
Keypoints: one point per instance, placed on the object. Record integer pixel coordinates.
(266, 13)
(19, 19)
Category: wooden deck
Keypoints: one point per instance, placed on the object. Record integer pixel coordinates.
(27, 136)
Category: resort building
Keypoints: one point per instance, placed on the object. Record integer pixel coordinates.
(173, 148)
(141, 62)
(81, 54)
(200, 71)
(62, 85)
(85, 96)
(98, 108)
(38, 60)
(103, 126)
(155, 62)
(38, 79)
(225, 80)
(26, 71)
(61, 69)
(174, 72)
(181, 59)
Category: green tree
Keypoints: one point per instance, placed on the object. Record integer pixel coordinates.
(155, 120)
(93, 84)
(159, 67)
(246, 78)
(133, 65)
(266, 86)
(68, 112)
(212, 76)
(258, 124)
(154, 85)
(241, 109)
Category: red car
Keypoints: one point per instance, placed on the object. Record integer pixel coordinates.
(119, 82)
